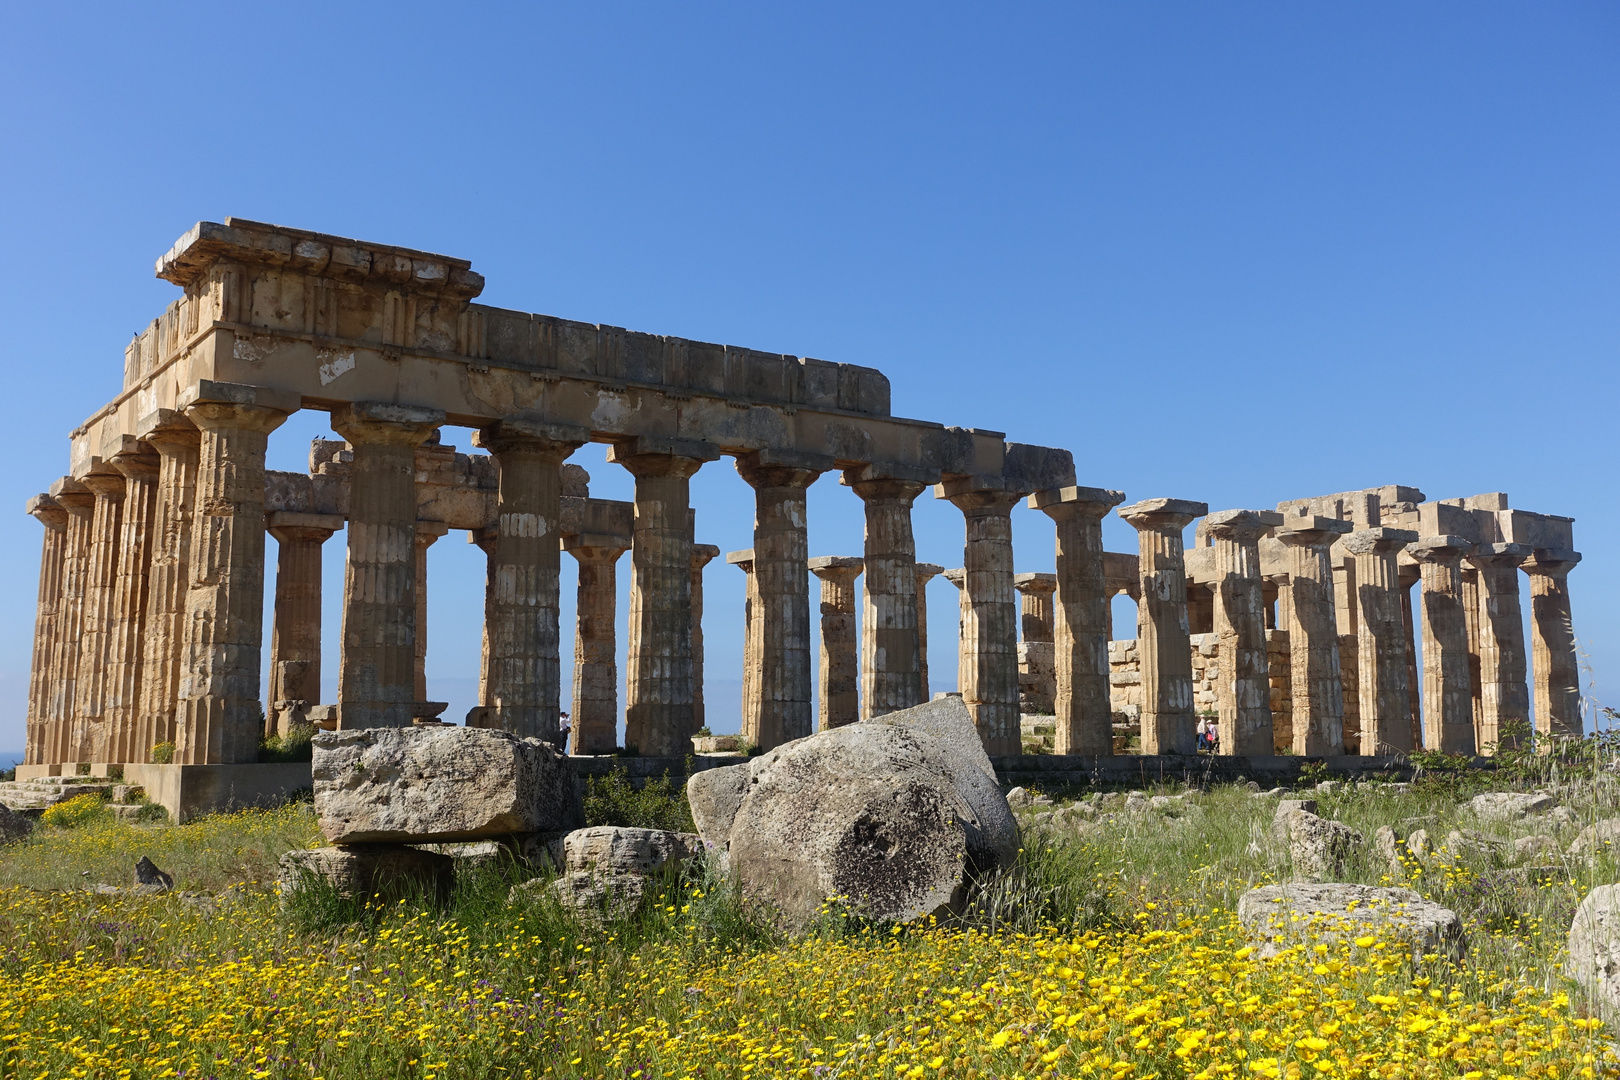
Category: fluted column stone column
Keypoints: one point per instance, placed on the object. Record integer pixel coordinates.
(702, 555)
(1082, 623)
(377, 671)
(295, 629)
(79, 503)
(1552, 642)
(658, 713)
(957, 576)
(594, 727)
(1037, 674)
(840, 696)
(991, 636)
(92, 734)
(53, 553)
(1468, 583)
(1313, 642)
(140, 467)
(484, 540)
(1383, 681)
(891, 656)
(1448, 701)
(1407, 570)
(218, 714)
(1243, 692)
(427, 532)
(1164, 646)
(926, 572)
(176, 440)
(1503, 689)
(750, 715)
(780, 479)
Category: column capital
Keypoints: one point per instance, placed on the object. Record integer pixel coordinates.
(703, 555)
(837, 567)
(133, 458)
(104, 482)
(978, 500)
(927, 571)
(1439, 549)
(1552, 562)
(48, 512)
(1064, 502)
(956, 575)
(209, 392)
(1380, 540)
(1498, 556)
(377, 423)
(429, 531)
(1313, 532)
(1035, 584)
(505, 436)
(72, 496)
(742, 560)
(782, 468)
(597, 546)
(288, 526)
(662, 455)
(167, 431)
(1241, 526)
(1162, 515)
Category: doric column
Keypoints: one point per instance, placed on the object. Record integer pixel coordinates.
(79, 503)
(217, 716)
(377, 667)
(1163, 644)
(1037, 677)
(53, 552)
(1383, 682)
(295, 629)
(1448, 702)
(957, 576)
(991, 633)
(594, 725)
(702, 555)
(125, 649)
(426, 533)
(1552, 643)
(1318, 690)
(484, 539)
(840, 696)
(1243, 692)
(1406, 569)
(658, 714)
(91, 735)
(926, 572)
(525, 661)
(1468, 581)
(1082, 623)
(780, 479)
(891, 657)
(1503, 690)
(176, 440)
(744, 561)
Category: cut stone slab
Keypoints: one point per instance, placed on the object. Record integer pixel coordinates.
(433, 783)
(596, 898)
(1594, 947)
(360, 871)
(610, 850)
(1509, 805)
(892, 814)
(1277, 916)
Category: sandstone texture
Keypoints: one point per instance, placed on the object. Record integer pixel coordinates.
(1509, 805)
(360, 871)
(1597, 837)
(421, 784)
(1319, 848)
(1276, 916)
(892, 814)
(609, 849)
(1594, 947)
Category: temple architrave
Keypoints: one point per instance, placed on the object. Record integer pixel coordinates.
(1296, 627)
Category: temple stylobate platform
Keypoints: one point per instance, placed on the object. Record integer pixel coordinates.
(148, 636)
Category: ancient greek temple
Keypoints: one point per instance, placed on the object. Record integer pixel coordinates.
(1297, 627)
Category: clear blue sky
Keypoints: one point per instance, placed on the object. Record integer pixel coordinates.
(1236, 253)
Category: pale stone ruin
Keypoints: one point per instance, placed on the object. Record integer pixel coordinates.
(1296, 626)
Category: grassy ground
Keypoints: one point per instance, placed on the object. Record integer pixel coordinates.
(1111, 953)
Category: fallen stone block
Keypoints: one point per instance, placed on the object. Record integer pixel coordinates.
(1602, 836)
(1319, 848)
(360, 871)
(611, 850)
(1509, 805)
(1275, 917)
(439, 783)
(1594, 947)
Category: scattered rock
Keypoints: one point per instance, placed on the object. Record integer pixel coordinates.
(609, 849)
(1417, 844)
(1594, 947)
(1595, 838)
(1274, 793)
(715, 796)
(359, 871)
(1279, 820)
(1389, 844)
(1469, 843)
(596, 898)
(1136, 802)
(1276, 916)
(1526, 848)
(893, 813)
(14, 827)
(149, 879)
(1564, 816)
(1328, 787)
(1509, 805)
(439, 783)
(1108, 800)
(1319, 848)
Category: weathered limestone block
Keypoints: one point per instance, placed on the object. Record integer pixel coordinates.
(1596, 838)
(360, 871)
(1277, 916)
(715, 796)
(893, 814)
(432, 783)
(609, 849)
(1594, 947)
(1509, 805)
(1319, 848)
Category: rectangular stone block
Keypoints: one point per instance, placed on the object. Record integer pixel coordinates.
(431, 783)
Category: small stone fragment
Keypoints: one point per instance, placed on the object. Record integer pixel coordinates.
(1509, 805)
(149, 879)
(1319, 848)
